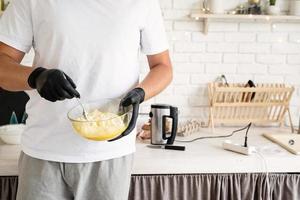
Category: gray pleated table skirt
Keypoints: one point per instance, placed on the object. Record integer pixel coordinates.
(281, 186)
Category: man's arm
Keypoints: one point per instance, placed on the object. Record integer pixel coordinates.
(158, 78)
(52, 84)
(13, 75)
(160, 74)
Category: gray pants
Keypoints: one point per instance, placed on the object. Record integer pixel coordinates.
(46, 180)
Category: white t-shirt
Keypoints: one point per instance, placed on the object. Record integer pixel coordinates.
(97, 44)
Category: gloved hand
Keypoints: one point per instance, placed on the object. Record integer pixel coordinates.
(52, 84)
(133, 98)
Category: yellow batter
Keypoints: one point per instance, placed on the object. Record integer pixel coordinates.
(100, 125)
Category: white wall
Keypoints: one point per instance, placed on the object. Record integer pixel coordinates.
(260, 51)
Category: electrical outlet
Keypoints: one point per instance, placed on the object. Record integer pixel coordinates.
(238, 148)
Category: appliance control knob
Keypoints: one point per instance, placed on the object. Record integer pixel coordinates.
(151, 114)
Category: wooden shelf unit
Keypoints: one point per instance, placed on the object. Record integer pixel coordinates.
(222, 17)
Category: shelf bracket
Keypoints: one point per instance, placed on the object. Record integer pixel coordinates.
(205, 26)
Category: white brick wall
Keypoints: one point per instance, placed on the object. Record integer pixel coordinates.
(240, 58)
(188, 47)
(263, 52)
(221, 47)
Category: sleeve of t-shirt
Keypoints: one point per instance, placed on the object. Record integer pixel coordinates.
(153, 35)
(16, 25)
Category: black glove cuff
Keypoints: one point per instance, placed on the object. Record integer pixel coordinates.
(33, 76)
(141, 93)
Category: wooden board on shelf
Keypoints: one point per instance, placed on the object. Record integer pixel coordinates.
(198, 16)
(224, 17)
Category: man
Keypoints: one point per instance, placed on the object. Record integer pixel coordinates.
(87, 49)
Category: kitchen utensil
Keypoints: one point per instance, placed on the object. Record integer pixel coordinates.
(84, 113)
(115, 124)
(11, 134)
(169, 147)
(205, 7)
(132, 119)
(288, 141)
(160, 114)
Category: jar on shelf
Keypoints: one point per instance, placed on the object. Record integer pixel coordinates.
(216, 6)
(254, 2)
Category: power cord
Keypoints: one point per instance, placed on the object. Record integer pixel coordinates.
(221, 136)
(246, 136)
(265, 165)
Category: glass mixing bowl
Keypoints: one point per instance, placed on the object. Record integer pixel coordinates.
(106, 119)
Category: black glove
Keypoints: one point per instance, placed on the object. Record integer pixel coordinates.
(133, 98)
(52, 84)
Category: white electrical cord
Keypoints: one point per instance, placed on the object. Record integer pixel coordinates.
(265, 166)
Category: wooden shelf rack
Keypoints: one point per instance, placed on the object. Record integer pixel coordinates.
(236, 104)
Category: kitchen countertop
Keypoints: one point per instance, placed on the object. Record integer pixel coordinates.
(202, 156)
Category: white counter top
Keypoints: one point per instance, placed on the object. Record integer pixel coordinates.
(9, 159)
(203, 156)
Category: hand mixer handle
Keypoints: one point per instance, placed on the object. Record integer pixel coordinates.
(174, 117)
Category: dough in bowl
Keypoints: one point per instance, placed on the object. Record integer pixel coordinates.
(100, 125)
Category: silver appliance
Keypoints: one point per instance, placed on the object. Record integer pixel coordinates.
(162, 116)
